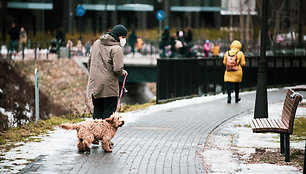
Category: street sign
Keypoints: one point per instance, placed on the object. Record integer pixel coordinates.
(160, 15)
(80, 10)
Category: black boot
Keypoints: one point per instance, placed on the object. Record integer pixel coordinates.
(229, 99)
(237, 99)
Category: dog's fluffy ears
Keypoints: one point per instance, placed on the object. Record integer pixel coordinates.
(112, 117)
(109, 119)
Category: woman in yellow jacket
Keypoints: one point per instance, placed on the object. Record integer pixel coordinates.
(234, 77)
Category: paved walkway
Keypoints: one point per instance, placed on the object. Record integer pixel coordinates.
(167, 141)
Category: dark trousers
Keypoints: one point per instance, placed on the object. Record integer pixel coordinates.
(104, 107)
(229, 87)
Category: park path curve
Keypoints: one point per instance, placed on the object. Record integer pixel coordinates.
(168, 141)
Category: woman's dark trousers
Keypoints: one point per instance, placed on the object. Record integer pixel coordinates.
(104, 107)
(229, 87)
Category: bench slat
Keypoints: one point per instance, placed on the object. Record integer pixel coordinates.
(272, 124)
(283, 125)
(253, 126)
(260, 125)
(275, 123)
(265, 123)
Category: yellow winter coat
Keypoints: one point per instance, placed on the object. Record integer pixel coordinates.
(234, 76)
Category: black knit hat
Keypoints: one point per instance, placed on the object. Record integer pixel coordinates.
(119, 30)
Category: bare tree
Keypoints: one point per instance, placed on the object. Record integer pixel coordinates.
(278, 18)
(241, 18)
(294, 21)
(248, 22)
(258, 2)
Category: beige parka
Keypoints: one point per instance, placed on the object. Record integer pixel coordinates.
(234, 76)
(105, 64)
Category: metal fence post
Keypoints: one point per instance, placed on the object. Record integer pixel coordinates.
(69, 53)
(36, 96)
(35, 50)
(47, 48)
(157, 80)
(304, 171)
(23, 45)
(9, 54)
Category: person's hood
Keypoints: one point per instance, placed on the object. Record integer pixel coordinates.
(108, 39)
(236, 45)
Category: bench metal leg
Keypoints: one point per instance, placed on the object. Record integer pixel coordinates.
(287, 147)
(282, 142)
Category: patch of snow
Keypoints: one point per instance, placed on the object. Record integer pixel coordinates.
(16, 104)
(9, 114)
(234, 137)
(267, 168)
(16, 158)
(28, 112)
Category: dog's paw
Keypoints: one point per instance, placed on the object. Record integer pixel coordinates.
(108, 151)
(95, 142)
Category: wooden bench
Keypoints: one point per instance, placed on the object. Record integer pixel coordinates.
(284, 126)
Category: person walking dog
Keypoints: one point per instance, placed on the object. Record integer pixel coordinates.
(105, 64)
(234, 60)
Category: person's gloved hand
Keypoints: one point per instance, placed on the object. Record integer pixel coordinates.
(125, 72)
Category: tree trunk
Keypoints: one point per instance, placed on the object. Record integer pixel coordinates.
(278, 20)
(241, 17)
(248, 21)
(231, 36)
(247, 27)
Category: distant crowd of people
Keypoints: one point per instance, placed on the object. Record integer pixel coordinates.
(79, 49)
(180, 44)
(18, 39)
(135, 41)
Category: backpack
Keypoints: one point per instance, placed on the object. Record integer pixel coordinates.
(231, 62)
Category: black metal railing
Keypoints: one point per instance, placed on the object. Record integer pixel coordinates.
(177, 78)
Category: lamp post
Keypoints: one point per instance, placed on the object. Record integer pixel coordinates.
(80, 11)
(261, 103)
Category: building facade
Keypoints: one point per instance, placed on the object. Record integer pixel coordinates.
(100, 15)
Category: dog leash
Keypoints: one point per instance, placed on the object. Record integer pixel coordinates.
(121, 91)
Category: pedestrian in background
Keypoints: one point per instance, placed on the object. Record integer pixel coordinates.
(69, 45)
(139, 44)
(173, 40)
(233, 77)
(164, 41)
(22, 38)
(206, 48)
(105, 64)
(79, 47)
(132, 41)
(188, 37)
(215, 50)
(87, 48)
(14, 36)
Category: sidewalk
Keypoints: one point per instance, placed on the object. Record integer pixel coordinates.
(198, 135)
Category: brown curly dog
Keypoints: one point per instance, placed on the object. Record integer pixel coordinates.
(93, 130)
